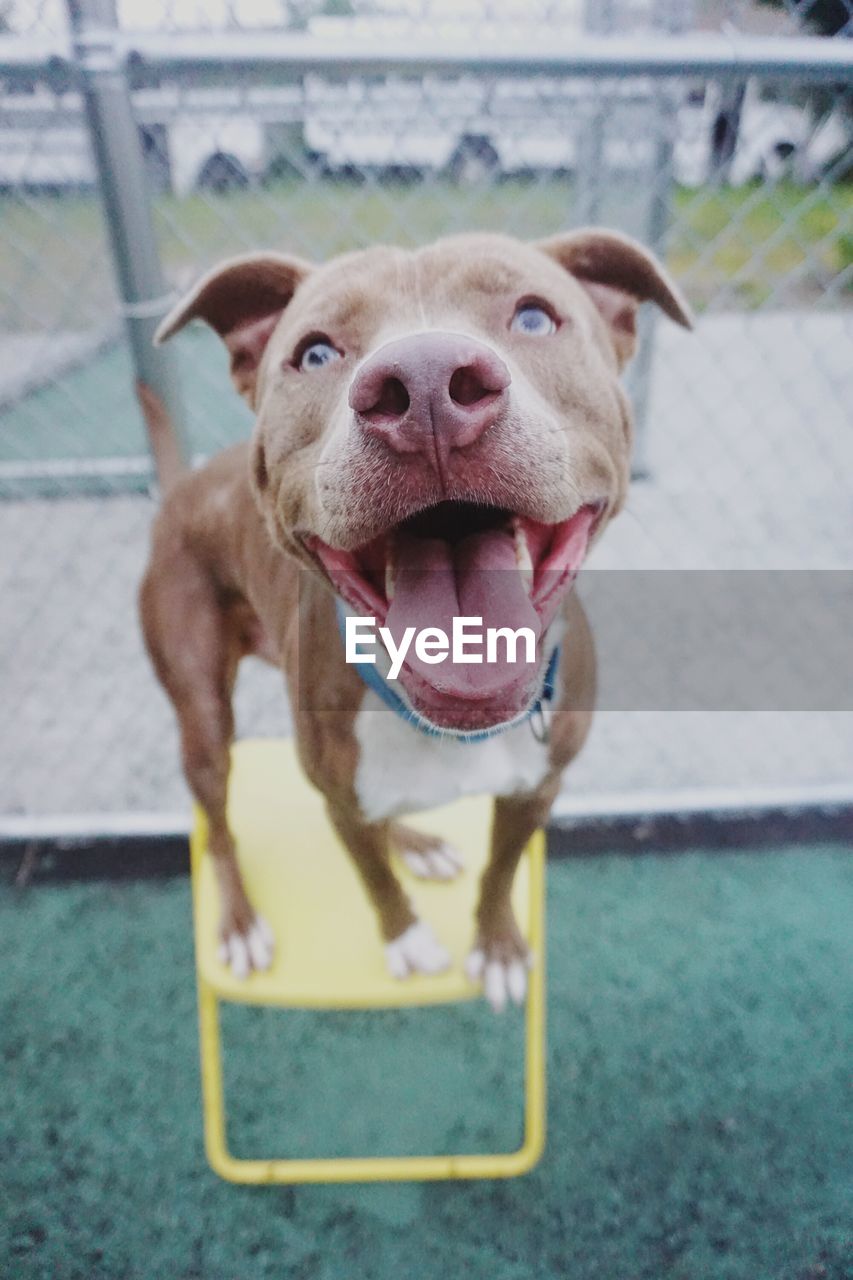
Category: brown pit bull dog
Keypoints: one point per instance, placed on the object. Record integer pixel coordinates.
(440, 433)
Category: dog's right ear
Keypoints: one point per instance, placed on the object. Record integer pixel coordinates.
(243, 301)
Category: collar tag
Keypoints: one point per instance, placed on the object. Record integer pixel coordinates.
(540, 720)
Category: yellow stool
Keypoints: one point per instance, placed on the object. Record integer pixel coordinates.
(329, 954)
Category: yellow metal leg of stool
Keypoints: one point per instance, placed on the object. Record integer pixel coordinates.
(371, 1168)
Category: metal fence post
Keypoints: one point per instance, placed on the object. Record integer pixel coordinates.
(590, 178)
(654, 234)
(125, 198)
(674, 19)
(648, 215)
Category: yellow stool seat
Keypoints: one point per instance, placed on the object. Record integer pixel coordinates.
(329, 952)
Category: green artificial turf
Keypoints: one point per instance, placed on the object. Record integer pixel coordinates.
(699, 1109)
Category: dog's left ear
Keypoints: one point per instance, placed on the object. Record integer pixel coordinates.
(618, 274)
(243, 301)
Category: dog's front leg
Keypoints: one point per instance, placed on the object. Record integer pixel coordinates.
(410, 944)
(500, 957)
(245, 939)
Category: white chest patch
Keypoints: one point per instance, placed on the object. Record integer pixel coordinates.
(401, 769)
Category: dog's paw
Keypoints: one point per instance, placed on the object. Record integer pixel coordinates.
(417, 950)
(246, 950)
(427, 857)
(439, 863)
(502, 968)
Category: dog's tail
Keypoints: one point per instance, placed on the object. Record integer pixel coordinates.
(163, 437)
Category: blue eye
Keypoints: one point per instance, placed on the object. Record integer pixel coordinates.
(533, 320)
(319, 353)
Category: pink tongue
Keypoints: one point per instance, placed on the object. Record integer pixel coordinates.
(478, 578)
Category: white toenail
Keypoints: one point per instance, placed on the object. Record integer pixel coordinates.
(516, 981)
(265, 931)
(240, 966)
(259, 951)
(494, 985)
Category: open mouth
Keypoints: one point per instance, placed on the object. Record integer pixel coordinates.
(465, 560)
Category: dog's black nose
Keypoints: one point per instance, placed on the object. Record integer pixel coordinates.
(430, 393)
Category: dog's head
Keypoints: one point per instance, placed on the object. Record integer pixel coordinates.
(441, 432)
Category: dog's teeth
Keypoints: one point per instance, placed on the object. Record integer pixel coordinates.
(522, 557)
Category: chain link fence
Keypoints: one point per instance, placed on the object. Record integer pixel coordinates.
(719, 134)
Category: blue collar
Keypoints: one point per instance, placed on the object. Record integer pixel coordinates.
(374, 680)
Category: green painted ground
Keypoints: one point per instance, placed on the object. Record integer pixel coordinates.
(699, 1118)
(91, 412)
